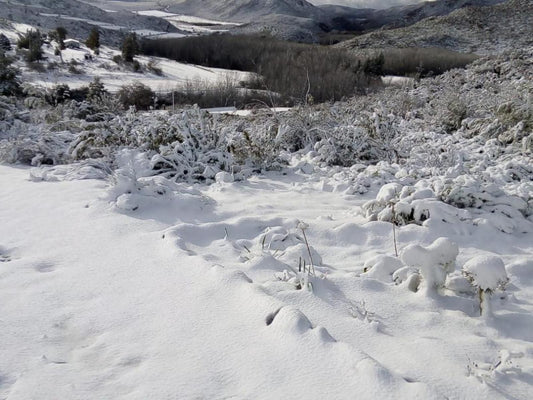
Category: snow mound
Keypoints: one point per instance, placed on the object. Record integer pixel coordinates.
(434, 261)
(381, 267)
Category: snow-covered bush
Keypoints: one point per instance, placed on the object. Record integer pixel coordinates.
(487, 273)
(434, 262)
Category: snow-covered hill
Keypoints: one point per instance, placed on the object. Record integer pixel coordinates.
(348, 18)
(79, 18)
(77, 67)
(301, 20)
(482, 30)
(246, 10)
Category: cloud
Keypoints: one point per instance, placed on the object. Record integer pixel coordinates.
(366, 3)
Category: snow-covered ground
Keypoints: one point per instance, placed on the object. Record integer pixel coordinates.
(192, 295)
(234, 111)
(378, 248)
(189, 23)
(174, 74)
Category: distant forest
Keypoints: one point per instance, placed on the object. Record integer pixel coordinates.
(294, 70)
(303, 72)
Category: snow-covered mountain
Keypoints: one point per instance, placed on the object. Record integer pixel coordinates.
(246, 10)
(482, 30)
(348, 18)
(79, 18)
(308, 16)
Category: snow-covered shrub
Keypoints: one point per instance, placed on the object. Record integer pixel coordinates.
(487, 273)
(197, 148)
(408, 276)
(434, 262)
(258, 145)
(46, 148)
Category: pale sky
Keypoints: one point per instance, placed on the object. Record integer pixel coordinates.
(366, 3)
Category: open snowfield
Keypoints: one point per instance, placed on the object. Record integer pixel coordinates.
(191, 294)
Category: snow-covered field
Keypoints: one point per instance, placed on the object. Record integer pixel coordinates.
(174, 74)
(194, 294)
(191, 24)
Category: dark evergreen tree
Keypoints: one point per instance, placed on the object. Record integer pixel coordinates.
(5, 44)
(32, 41)
(93, 41)
(61, 35)
(130, 47)
(9, 83)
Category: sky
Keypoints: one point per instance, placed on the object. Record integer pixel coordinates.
(366, 3)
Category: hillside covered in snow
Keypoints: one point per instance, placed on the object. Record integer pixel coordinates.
(483, 30)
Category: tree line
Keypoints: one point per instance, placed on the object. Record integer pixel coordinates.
(298, 72)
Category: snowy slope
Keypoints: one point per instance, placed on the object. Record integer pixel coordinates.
(483, 30)
(79, 18)
(174, 74)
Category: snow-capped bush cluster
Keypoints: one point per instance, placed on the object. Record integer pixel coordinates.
(433, 269)
(452, 201)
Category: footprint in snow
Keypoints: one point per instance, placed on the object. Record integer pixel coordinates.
(4, 256)
(44, 267)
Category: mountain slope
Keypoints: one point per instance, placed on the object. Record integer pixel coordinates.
(246, 10)
(348, 18)
(75, 15)
(482, 30)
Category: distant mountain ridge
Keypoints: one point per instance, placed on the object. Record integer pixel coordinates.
(482, 30)
(398, 16)
(297, 19)
(288, 19)
(246, 10)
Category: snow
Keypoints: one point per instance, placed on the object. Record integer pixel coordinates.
(185, 295)
(434, 261)
(487, 271)
(189, 23)
(234, 111)
(400, 81)
(13, 30)
(156, 13)
(175, 74)
(193, 255)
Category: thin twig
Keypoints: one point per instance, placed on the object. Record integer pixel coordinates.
(309, 251)
(394, 231)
